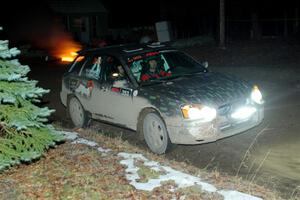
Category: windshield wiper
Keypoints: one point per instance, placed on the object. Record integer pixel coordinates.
(195, 72)
(167, 78)
(160, 80)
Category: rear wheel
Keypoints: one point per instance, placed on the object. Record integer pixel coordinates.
(77, 113)
(155, 133)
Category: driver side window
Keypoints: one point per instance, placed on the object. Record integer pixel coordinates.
(114, 71)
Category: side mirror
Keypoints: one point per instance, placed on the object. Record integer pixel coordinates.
(205, 64)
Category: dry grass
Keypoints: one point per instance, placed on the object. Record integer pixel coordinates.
(146, 173)
(215, 177)
(295, 194)
(80, 172)
(248, 152)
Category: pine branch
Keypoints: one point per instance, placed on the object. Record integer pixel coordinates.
(28, 115)
(5, 52)
(10, 91)
(26, 145)
(12, 70)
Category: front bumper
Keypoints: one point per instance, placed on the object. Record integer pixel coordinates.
(192, 132)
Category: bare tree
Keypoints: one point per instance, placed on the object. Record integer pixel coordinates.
(222, 24)
(296, 24)
(285, 29)
(162, 10)
(256, 29)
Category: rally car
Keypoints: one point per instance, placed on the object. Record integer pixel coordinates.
(164, 94)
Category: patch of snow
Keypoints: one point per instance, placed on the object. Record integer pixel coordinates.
(102, 150)
(73, 136)
(69, 135)
(133, 156)
(168, 174)
(180, 178)
(84, 141)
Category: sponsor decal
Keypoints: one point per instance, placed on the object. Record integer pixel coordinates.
(90, 84)
(152, 54)
(115, 89)
(104, 116)
(73, 84)
(139, 57)
(125, 92)
(122, 91)
(134, 58)
(85, 90)
(135, 93)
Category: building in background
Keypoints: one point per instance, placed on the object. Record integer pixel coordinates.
(86, 20)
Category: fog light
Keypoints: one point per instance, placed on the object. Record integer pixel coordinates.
(243, 113)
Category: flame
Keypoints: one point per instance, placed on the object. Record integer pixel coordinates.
(70, 57)
(65, 47)
(53, 38)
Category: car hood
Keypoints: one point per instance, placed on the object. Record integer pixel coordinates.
(212, 89)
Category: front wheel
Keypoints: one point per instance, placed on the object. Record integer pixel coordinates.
(155, 133)
(77, 113)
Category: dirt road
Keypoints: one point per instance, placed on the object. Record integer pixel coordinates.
(268, 154)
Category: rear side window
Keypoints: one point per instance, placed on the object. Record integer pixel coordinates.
(78, 64)
(92, 68)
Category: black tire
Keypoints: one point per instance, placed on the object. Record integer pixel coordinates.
(153, 128)
(76, 112)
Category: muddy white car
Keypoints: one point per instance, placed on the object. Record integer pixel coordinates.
(179, 101)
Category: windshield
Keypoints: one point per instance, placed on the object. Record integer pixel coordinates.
(157, 66)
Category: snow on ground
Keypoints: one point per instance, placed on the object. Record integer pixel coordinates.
(84, 141)
(102, 150)
(69, 135)
(168, 174)
(181, 179)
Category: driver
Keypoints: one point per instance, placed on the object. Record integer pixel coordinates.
(153, 72)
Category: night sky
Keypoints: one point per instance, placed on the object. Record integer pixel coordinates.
(24, 15)
(143, 12)
(147, 12)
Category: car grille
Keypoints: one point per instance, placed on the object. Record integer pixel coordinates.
(224, 111)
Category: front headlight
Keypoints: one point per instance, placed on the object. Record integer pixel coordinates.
(256, 95)
(199, 112)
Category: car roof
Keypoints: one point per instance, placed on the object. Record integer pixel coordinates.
(128, 50)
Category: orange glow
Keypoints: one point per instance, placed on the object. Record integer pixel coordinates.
(59, 44)
(69, 58)
(66, 48)
(73, 54)
(80, 58)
